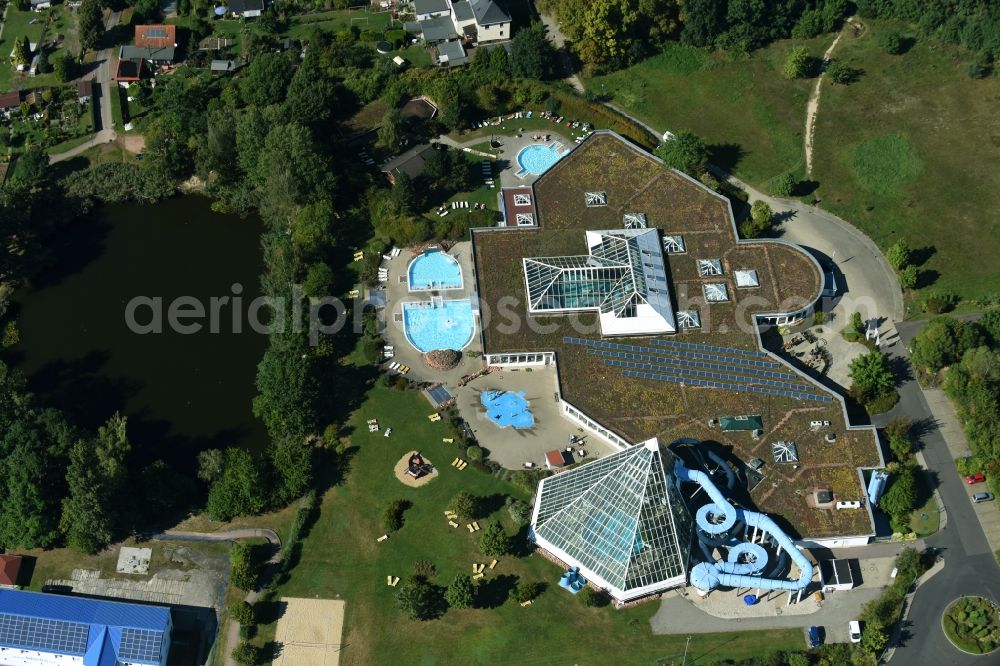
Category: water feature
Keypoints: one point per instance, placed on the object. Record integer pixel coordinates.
(182, 393)
(439, 324)
(537, 158)
(507, 408)
(434, 269)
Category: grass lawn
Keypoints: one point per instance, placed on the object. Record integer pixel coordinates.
(341, 558)
(338, 20)
(911, 151)
(749, 114)
(972, 624)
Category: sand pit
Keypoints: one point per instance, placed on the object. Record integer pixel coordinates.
(309, 632)
(400, 471)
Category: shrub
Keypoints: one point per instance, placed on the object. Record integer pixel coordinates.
(244, 569)
(940, 302)
(908, 277)
(495, 542)
(392, 515)
(898, 254)
(519, 510)
(871, 376)
(685, 152)
(796, 63)
(424, 569)
(841, 73)
(980, 67)
(819, 318)
(892, 43)
(466, 505)
(246, 654)
(474, 452)
(419, 599)
(594, 598)
(528, 590)
(855, 329)
(784, 185)
(243, 613)
(874, 637)
(461, 593)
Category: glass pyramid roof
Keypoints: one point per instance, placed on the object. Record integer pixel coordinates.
(619, 518)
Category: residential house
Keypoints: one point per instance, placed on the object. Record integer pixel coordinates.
(9, 102)
(84, 91)
(156, 36)
(412, 162)
(246, 8)
(40, 5)
(451, 54)
(225, 66)
(474, 21)
(10, 568)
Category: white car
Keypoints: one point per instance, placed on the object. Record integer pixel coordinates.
(854, 629)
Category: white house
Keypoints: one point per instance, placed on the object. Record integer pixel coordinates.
(246, 8)
(476, 21)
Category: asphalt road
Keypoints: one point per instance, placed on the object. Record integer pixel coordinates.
(970, 568)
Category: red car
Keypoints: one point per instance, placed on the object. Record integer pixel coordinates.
(975, 478)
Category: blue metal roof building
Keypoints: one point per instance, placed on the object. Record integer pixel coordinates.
(101, 633)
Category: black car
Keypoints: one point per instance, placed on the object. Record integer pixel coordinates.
(815, 639)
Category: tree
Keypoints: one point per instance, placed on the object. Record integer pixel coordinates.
(164, 490)
(312, 231)
(901, 497)
(246, 654)
(22, 51)
(44, 67)
(31, 168)
(685, 152)
(211, 464)
(908, 277)
(293, 465)
(419, 599)
(265, 80)
(240, 491)
(602, 29)
(465, 505)
(392, 515)
(495, 542)
(311, 95)
(898, 254)
(892, 42)
(92, 513)
(796, 63)
(29, 513)
(319, 280)
(461, 593)
(531, 53)
(390, 131)
(244, 568)
(243, 612)
(840, 72)
(759, 222)
(872, 377)
(784, 185)
(288, 390)
(942, 342)
(874, 637)
(64, 67)
(91, 24)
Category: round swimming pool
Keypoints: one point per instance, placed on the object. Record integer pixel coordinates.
(439, 324)
(537, 158)
(434, 270)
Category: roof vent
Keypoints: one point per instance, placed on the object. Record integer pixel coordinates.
(635, 220)
(596, 198)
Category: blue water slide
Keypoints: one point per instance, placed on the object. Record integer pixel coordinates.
(745, 559)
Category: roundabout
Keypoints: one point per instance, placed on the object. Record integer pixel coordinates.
(972, 625)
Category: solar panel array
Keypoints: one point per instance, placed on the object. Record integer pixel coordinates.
(31, 633)
(682, 364)
(140, 645)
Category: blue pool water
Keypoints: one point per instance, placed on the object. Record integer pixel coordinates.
(434, 270)
(537, 158)
(507, 408)
(446, 325)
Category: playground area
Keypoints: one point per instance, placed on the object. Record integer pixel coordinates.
(507, 408)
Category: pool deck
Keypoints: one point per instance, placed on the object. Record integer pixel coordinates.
(512, 145)
(511, 447)
(398, 293)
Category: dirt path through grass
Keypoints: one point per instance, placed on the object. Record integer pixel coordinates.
(812, 106)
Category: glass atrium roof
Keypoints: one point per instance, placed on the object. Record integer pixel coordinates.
(619, 518)
(624, 269)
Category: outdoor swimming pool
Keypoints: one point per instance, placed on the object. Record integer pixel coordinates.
(439, 324)
(537, 158)
(434, 269)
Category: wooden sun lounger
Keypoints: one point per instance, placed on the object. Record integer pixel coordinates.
(478, 576)
(475, 526)
(526, 603)
(382, 538)
(453, 523)
(493, 564)
(448, 512)
(448, 440)
(470, 528)
(475, 568)
(388, 581)
(481, 568)
(454, 463)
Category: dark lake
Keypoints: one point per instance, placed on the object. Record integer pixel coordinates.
(182, 393)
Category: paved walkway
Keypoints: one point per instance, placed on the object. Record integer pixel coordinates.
(104, 136)
(233, 634)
